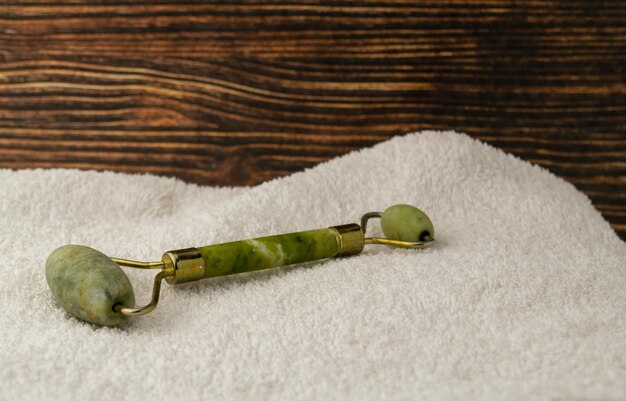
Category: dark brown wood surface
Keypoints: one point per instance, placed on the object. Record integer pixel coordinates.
(241, 92)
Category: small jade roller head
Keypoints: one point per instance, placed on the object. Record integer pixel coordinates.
(92, 286)
(406, 223)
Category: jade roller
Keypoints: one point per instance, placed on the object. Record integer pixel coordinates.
(93, 287)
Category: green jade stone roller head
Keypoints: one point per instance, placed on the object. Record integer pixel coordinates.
(93, 287)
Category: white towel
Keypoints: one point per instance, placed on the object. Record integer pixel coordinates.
(522, 298)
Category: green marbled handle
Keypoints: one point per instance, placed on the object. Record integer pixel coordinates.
(267, 252)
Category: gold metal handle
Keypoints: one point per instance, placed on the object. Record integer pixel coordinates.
(390, 242)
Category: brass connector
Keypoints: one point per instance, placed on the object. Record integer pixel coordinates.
(183, 265)
(351, 239)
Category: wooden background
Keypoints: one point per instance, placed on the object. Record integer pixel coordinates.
(241, 92)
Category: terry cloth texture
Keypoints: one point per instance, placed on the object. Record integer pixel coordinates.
(522, 297)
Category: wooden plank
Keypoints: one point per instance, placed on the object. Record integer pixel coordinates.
(242, 92)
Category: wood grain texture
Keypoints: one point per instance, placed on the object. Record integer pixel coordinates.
(234, 93)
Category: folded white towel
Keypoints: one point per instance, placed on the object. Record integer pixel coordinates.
(523, 296)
